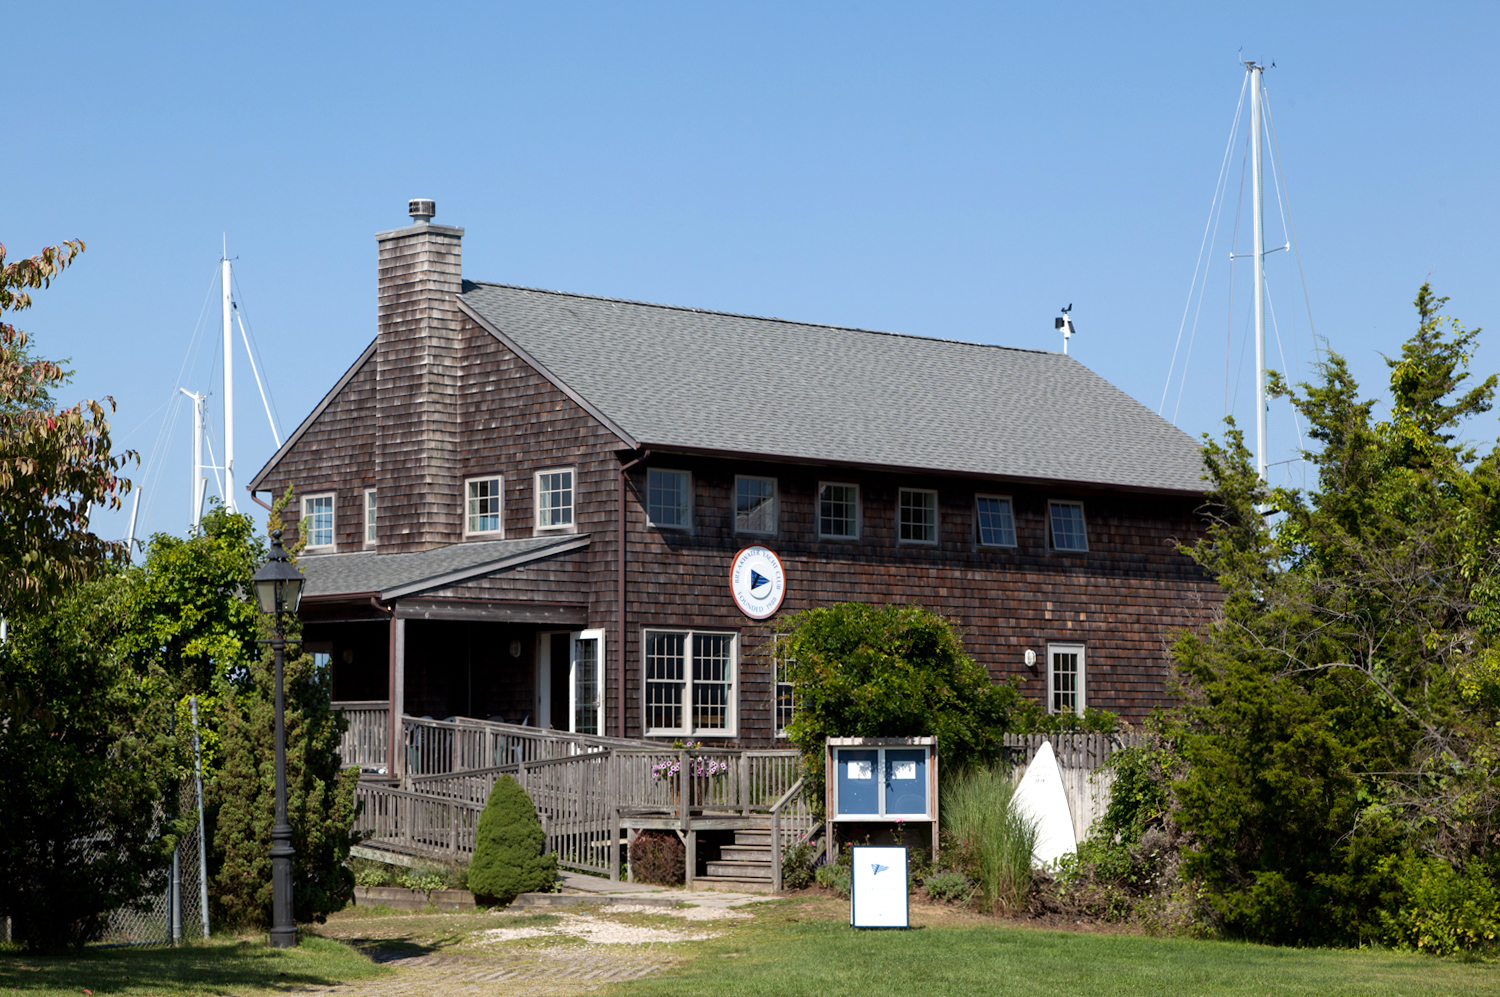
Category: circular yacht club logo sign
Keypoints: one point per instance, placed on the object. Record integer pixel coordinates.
(757, 582)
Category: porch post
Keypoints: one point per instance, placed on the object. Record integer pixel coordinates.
(395, 746)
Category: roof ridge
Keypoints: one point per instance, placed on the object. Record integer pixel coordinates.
(761, 318)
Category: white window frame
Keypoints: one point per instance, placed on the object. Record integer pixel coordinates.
(731, 714)
(1082, 514)
(978, 535)
(780, 676)
(371, 508)
(775, 506)
(499, 532)
(571, 526)
(544, 690)
(936, 525)
(687, 524)
(333, 522)
(859, 511)
(1080, 694)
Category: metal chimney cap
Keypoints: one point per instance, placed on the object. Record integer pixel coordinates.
(421, 209)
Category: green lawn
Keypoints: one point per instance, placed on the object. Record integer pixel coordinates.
(786, 958)
(216, 967)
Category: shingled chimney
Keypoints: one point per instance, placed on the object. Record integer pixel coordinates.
(417, 356)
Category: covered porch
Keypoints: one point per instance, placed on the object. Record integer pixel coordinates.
(421, 635)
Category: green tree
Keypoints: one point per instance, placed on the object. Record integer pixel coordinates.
(1343, 706)
(890, 671)
(88, 759)
(55, 463)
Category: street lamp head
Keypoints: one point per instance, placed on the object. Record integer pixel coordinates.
(278, 583)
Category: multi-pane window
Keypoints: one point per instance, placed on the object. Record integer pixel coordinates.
(1065, 678)
(554, 499)
(838, 511)
(369, 515)
(1065, 523)
(586, 685)
(994, 522)
(669, 498)
(483, 505)
(318, 511)
(690, 683)
(916, 515)
(754, 505)
(785, 697)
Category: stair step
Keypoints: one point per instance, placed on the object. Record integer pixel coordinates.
(738, 852)
(753, 838)
(741, 870)
(731, 884)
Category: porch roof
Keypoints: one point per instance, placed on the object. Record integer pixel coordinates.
(392, 576)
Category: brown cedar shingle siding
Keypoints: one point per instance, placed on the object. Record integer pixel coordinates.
(1120, 599)
(419, 357)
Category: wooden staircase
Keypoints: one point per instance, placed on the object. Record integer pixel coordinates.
(745, 865)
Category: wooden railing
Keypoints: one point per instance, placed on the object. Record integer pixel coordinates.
(582, 797)
(364, 743)
(791, 821)
(435, 747)
(415, 823)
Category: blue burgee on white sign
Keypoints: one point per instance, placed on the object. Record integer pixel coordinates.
(877, 897)
(757, 579)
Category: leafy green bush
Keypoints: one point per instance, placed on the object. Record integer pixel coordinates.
(889, 671)
(1445, 912)
(508, 858)
(86, 762)
(658, 857)
(949, 887)
(994, 839)
(797, 864)
(836, 877)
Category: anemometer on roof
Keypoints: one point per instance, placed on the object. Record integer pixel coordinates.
(1065, 323)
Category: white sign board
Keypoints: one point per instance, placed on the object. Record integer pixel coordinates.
(757, 582)
(877, 898)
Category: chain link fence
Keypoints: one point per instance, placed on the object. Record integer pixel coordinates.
(171, 908)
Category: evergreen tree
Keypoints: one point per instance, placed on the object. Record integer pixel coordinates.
(242, 799)
(508, 858)
(1341, 712)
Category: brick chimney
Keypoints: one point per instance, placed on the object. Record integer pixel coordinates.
(417, 358)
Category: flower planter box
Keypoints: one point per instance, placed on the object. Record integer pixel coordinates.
(402, 898)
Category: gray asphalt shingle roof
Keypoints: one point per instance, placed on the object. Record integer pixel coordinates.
(701, 380)
(395, 575)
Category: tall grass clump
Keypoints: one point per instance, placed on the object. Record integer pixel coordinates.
(993, 838)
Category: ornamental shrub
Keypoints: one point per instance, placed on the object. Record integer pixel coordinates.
(508, 858)
(1445, 912)
(658, 857)
(890, 671)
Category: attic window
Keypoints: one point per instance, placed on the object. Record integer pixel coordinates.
(669, 498)
(994, 521)
(1065, 523)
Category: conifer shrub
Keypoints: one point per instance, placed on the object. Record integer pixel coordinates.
(508, 858)
(658, 857)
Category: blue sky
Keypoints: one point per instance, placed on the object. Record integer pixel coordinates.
(947, 170)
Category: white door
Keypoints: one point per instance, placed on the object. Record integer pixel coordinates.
(570, 681)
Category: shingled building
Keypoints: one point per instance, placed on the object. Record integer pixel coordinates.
(526, 505)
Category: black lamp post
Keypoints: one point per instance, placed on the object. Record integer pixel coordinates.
(278, 589)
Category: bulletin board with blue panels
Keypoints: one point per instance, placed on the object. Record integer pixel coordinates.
(882, 780)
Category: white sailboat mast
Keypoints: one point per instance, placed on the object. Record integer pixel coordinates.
(229, 390)
(1260, 270)
(199, 479)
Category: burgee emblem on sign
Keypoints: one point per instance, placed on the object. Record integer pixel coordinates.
(757, 582)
